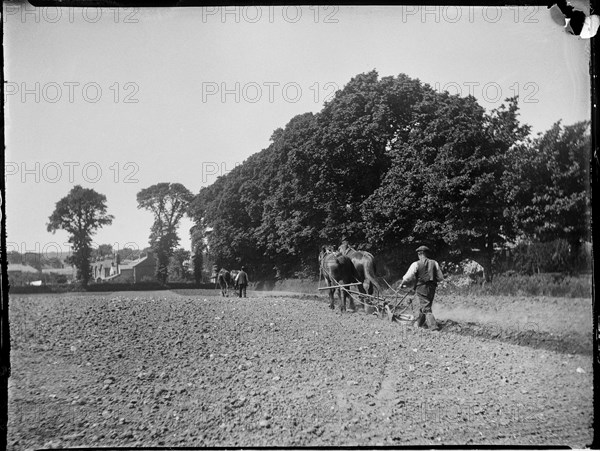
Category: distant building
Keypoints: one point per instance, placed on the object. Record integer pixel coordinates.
(18, 267)
(129, 271)
(68, 271)
(20, 274)
(104, 267)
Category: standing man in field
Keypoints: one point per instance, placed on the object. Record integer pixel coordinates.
(241, 281)
(425, 273)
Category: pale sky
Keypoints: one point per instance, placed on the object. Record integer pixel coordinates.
(118, 100)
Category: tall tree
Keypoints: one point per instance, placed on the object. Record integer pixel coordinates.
(306, 188)
(390, 162)
(177, 268)
(550, 186)
(81, 213)
(232, 208)
(290, 216)
(445, 186)
(323, 166)
(348, 157)
(198, 244)
(168, 202)
(103, 250)
(198, 263)
(129, 253)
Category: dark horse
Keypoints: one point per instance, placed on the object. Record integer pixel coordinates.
(364, 262)
(223, 281)
(337, 270)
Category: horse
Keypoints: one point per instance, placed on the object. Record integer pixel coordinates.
(364, 262)
(337, 270)
(223, 281)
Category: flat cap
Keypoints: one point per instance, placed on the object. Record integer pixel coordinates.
(423, 249)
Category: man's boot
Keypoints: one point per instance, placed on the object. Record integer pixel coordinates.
(419, 321)
(431, 322)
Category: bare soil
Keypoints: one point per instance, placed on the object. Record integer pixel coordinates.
(190, 368)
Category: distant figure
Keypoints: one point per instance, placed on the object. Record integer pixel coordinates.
(241, 282)
(223, 281)
(425, 273)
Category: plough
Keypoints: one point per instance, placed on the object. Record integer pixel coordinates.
(393, 308)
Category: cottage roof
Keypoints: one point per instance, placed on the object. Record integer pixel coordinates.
(107, 262)
(65, 271)
(14, 267)
(138, 261)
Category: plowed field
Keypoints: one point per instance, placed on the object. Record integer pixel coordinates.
(190, 368)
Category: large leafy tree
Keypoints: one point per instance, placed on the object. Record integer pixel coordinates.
(177, 268)
(81, 213)
(168, 202)
(445, 186)
(348, 157)
(307, 186)
(231, 208)
(289, 213)
(324, 166)
(218, 207)
(129, 253)
(390, 162)
(103, 250)
(550, 188)
(198, 264)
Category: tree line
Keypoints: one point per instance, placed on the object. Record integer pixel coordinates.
(389, 163)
